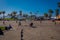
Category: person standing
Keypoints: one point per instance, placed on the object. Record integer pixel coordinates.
(31, 24)
(54, 21)
(1, 32)
(19, 23)
(22, 34)
(3, 22)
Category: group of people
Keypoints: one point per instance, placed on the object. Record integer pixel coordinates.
(19, 24)
(6, 28)
(9, 27)
(31, 24)
(54, 21)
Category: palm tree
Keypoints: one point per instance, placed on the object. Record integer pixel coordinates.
(59, 4)
(0, 13)
(57, 12)
(45, 15)
(50, 13)
(3, 12)
(36, 13)
(20, 13)
(9, 15)
(31, 15)
(13, 14)
(25, 15)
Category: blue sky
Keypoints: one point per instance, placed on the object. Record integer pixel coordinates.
(28, 5)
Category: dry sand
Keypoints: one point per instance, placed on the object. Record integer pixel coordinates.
(46, 30)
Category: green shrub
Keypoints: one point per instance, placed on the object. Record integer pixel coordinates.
(9, 19)
(2, 28)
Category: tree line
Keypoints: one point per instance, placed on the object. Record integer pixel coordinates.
(49, 14)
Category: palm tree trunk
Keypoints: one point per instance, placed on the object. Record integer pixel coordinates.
(3, 16)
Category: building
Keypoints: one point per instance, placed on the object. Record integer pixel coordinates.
(58, 17)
